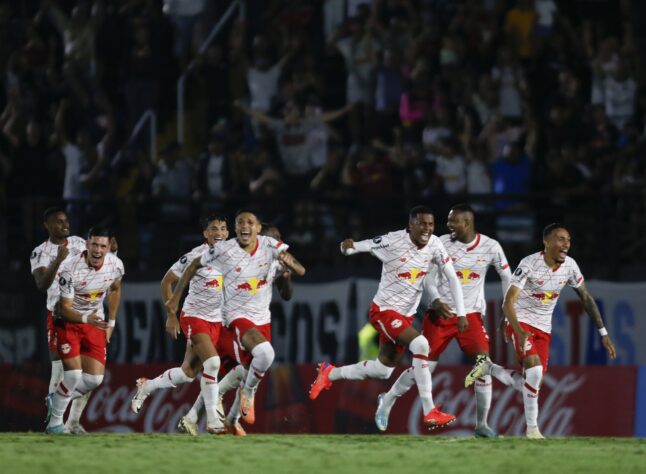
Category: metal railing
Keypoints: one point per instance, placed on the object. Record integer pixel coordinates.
(181, 82)
(148, 116)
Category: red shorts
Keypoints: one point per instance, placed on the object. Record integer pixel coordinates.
(538, 343)
(191, 326)
(440, 332)
(232, 345)
(75, 339)
(51, 332)
(389, 324)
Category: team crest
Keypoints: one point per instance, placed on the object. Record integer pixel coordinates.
(396, 323)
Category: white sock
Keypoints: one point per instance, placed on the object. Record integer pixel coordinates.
(263, 356)
(169, 379)
(402, 385)
(194, 413)
(533, 377)
(209, 388)
(56, 376)
(420, 349)
(76, 410)
(367, 369)
(232, 379)
(511, 378)
(63, 395)
(482, 389)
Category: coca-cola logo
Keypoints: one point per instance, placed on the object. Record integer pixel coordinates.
(556, 410)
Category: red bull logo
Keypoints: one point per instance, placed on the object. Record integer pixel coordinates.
(252, 285)
(546, 297)
(412, 275)
(92, 295)
(215, 283)
(466, 276)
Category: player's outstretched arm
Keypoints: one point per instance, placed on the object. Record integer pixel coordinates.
(349, 246)
(167, 284)
(114, 299)
(172, 304)
(290, 262)
(592, 309)
(75, 316)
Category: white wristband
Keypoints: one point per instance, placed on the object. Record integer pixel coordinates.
(84, 317)
(112, 323)
(603, 331)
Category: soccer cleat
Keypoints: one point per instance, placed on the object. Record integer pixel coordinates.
(184, 425)
(485, 432)
(533, 433)
(75, 428)
(55, 430)
(246, 407)
(139, 398)
(479, 369)
(382, 413)
(219, 409)
(217, 430)
(49, 403)
(235, 428)
(436, 419)
(322, 380)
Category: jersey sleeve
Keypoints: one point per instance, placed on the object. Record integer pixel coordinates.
(65, 281)
(120, 269)
(179, 267)
(519, 278)
(209, 255)
(277, 247)
(378, 246)
(37, 259)
(440, 255)
(499, 259)
(576, 277)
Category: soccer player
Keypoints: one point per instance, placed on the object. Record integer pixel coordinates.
(246, 263)
(528, 306)
(46, 259)
(82, 332)
(472, 254)
(407, 256)
(201, 322)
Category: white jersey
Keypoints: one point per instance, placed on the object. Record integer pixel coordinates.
(43, 255)
(86, 285)
(471, 262)
(204, 299)
(540, 287)
(247, 277)
(404, 267)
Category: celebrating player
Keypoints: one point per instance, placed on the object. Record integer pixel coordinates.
(247, 267)
(472, 255)
(529, 303)
(46, 259)
(407, 256)
(201, 321)
(82, 332)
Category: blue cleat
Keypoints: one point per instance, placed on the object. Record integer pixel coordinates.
(55, 430)
(382, 413)
(49, 403)
(485, 432)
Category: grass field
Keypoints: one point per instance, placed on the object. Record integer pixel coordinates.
(309, 454)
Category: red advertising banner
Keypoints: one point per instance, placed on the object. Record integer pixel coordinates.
(578, 401)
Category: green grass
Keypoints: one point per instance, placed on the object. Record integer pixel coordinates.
(310, 454)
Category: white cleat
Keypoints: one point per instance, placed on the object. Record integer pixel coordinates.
(382, 413)
(533, 433)
(139, 398)
(219, 409)
(479, 369)
(75, 428)
(187, 426)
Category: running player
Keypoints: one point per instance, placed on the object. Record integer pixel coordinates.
(472, 254)
(82, 332)
(46, 259)
(407, 256)
(247, 268)
(201, 321)
(529, 303)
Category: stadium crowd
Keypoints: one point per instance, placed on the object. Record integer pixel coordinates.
(333, 117)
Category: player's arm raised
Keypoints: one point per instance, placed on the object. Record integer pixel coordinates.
(114, 299)
(456, 292)
(172, 304)
(288, 260)
(44, 276)
(167, 284)
(509, 310)
(592, 309)
(72, 315)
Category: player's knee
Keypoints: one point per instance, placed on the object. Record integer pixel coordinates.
(382, 371)
(71, 379)
(263, 353)
(534, 376)
(91, 381)
(212, 365)
(419, 346)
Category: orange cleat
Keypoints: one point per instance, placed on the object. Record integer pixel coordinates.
(322, 381)
(235, 428)
(436, 419)
(246, 407)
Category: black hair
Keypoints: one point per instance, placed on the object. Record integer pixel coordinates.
(206, 220)
(551, 228)
(49, 212)
(462, 207)
(250, 211)
(417, 210)
(99, 231)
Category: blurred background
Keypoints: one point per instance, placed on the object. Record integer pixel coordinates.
(331, 118)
